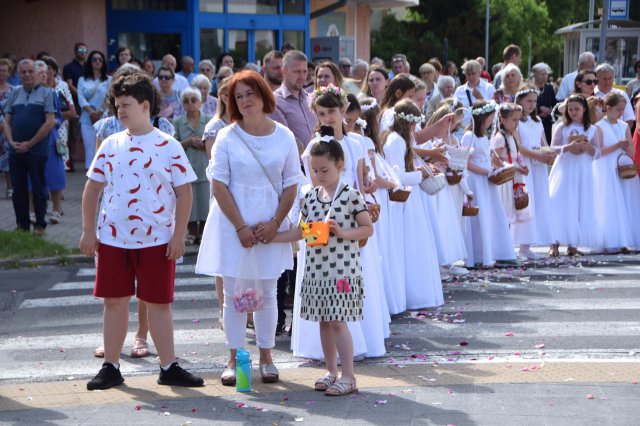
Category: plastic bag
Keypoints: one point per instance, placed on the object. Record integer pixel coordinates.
(247, 293)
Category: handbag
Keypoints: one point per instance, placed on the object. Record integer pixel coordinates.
(61, 145)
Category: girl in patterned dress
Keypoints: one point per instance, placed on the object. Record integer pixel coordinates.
(332, 290)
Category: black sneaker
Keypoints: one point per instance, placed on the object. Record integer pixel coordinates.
(178, 376)
(107, 377)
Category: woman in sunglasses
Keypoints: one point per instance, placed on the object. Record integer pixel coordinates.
(189, 131)
(585, 85)
(92, 93)
(171, 106)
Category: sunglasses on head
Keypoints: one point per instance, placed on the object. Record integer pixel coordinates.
(97, 59)
(590, 81)
(190, 100)
(165, 77)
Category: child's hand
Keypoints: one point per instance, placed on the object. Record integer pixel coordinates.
(547, 157)
(523, 170)
(624, 144)
(335, 228)
(88, 244)
(175, 248)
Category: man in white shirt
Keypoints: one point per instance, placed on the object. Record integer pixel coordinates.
(179, 83)
(586, 61)
(475, 89)
(605, 74)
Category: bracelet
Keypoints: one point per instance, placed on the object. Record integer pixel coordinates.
(241, 228)
(277, 221)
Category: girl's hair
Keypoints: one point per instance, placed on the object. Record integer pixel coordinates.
(88, 69)
(329, 97)
(586, 121)
(369, 110)
(330, 149)
(405, 128)
(337, 75)
(613, 98)
(524, 91)
(504, 111)
(401, 82)
(223, 89)
(354, 105)
(447, 106)
(479, 119)
(365, 82)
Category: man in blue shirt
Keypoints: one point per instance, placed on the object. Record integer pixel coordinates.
(29, 120)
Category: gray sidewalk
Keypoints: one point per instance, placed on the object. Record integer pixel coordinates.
(68, 231)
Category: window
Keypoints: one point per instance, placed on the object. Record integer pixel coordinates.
(619, 53)
(293, 7)
(212, 6)
(149, 4)
(211, 43)
(151, 45)
(269, 7)
(295, 38)
(238, 47)
(264, 42)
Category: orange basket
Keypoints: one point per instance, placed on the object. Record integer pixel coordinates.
(316, 233)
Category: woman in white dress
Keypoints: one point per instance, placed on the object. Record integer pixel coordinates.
(255, 163)
(618, 199)
(571, 185)
(536, 155)
(390, 235)
(305, 341)
(487, 235)
(422, 273)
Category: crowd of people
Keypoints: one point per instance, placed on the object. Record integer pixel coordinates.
(347, 190)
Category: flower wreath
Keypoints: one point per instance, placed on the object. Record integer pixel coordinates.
(525, 92)
(485, 109)
(365, 107)
(410, 117)
(333, 90)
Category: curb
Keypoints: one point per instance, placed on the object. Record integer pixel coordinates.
(60, 260)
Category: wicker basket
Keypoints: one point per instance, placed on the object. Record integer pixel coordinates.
(373, 209)
(502, 175)
(469, 210)
(399, 195)
(458, 157)
(626, 171)
(362, 242)
(520, 196)
(433, 183)
(453, 176)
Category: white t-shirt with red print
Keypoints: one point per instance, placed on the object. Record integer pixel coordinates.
(138, 203)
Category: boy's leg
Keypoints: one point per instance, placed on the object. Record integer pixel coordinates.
(161, 328)
(116, 321)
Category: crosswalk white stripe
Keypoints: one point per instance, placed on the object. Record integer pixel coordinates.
(88, 285)
(57, 302)
(180, 269)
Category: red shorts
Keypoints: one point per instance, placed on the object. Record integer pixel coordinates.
(118, 268)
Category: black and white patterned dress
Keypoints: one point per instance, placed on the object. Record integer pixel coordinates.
(332, 288)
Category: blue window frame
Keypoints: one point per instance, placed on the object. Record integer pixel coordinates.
(186, 25)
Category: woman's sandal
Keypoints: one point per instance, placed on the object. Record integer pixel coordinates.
(342, 387)
(324, 383)
(572, 251)
(553, 252)
(228, 377)
(99, 352)
(140, 348)
(269, 373)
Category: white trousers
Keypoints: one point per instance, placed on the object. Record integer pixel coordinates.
(89, 142)
(265, 320)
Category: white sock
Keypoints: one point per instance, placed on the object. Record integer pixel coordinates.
(116, 365)
(168, 366)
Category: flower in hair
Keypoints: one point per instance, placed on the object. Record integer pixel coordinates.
(365, 107)
(325, 138)
(485, 109)
(361, 123)
(525, 92)
(508, 106)
(333, 90)
(410, 117)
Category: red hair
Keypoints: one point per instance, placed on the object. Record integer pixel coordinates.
(259, 86)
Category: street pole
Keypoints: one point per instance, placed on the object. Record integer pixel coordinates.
(529, 61)
(591, 6)
(486, 39)
(604, 23)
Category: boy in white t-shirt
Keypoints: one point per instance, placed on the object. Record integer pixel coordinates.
(146, 178)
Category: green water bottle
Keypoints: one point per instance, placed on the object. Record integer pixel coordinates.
(243, 371)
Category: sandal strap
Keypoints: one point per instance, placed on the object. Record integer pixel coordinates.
(344, 387)
(327, 380)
